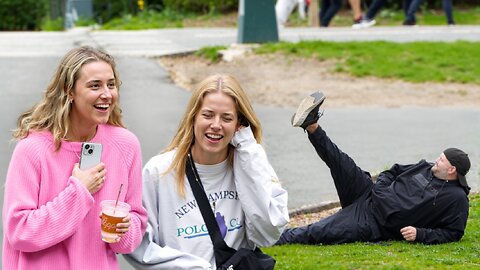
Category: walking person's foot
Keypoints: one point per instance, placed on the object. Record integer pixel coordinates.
(308, 111)
(409, 23)
(364, 22)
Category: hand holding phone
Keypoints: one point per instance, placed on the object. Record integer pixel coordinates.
(90, 172)
(91, 155)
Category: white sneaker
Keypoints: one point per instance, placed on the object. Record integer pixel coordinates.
(364, 23)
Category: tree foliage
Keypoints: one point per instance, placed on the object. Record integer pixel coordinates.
(201, 6)
(22, 15)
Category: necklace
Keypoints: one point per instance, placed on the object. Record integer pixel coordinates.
(71, 140)
(72, 149)
(80, 139)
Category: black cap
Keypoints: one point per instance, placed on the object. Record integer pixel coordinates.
(460, 160)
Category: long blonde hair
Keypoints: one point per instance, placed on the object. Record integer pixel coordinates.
(185, 138)
(52, 112)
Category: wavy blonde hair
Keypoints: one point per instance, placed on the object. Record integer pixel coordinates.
(185, 138)
(52, 112)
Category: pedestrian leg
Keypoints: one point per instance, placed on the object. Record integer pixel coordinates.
(328, 10)
(374, 9)
(410, 8)
(447, 8)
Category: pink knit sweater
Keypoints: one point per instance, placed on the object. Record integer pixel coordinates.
(50, 219)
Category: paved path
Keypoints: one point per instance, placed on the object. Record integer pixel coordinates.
(168, 41)
(376, 138)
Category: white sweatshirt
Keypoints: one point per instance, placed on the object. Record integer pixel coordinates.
(248, 201)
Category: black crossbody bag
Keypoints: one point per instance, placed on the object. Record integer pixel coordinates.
(226, 257)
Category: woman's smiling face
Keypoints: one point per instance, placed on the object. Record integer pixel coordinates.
(94, 95)
(215, 124)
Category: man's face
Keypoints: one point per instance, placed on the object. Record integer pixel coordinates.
(442, 168)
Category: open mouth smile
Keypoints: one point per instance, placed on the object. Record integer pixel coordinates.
(102, 107)
(214, 137)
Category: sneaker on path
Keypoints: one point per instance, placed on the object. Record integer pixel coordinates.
(307, 111)
(364, 23)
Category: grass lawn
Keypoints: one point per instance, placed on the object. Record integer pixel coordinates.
(413, 61)
(387, 255)
(466, 16)
(150, 19)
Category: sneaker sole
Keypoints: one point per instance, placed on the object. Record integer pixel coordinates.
(306, 106)
(364, 24)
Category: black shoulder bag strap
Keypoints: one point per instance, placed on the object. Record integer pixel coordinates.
(221, 250)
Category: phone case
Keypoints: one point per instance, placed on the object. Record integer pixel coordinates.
(91, 155)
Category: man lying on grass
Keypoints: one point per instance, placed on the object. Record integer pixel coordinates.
(423, 202)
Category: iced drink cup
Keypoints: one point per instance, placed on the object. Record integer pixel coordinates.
(112, 215)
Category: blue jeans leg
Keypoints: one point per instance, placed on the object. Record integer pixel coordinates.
(328, 10)
(374, 9)
(410, 8)
(447, 8)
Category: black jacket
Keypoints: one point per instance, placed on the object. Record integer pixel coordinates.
(409, 195)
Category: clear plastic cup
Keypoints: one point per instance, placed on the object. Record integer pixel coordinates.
(111, 216)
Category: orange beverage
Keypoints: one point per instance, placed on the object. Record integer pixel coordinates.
(111, 216)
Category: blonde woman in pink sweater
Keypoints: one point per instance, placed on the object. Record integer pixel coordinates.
(51, 208)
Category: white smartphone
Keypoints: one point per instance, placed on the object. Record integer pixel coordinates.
(91, 155)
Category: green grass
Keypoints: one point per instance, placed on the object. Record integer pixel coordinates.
(52, 25)
(388, 255)
(389, 17)
(150, 19)
(210, 53)
(461, 16)
(84, 22)
(413, 61)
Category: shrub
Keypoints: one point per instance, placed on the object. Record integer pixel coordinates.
(22, 15)
(105, 10)
(52, 24)
(201, 6)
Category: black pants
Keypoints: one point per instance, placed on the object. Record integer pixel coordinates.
(328, 9)
(354, 222)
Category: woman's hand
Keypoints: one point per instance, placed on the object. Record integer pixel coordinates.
(242, 135)
(92, 178)
(122, 228)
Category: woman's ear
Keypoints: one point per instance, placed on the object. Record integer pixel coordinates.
(69, 93)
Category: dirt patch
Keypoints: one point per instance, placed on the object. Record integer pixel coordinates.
(305, 219)
(283, 81)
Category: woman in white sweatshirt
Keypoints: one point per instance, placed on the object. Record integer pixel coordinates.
(223, 135)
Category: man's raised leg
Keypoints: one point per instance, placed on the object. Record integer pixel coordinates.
(350, 181)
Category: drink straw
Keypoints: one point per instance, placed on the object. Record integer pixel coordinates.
(118, 196)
